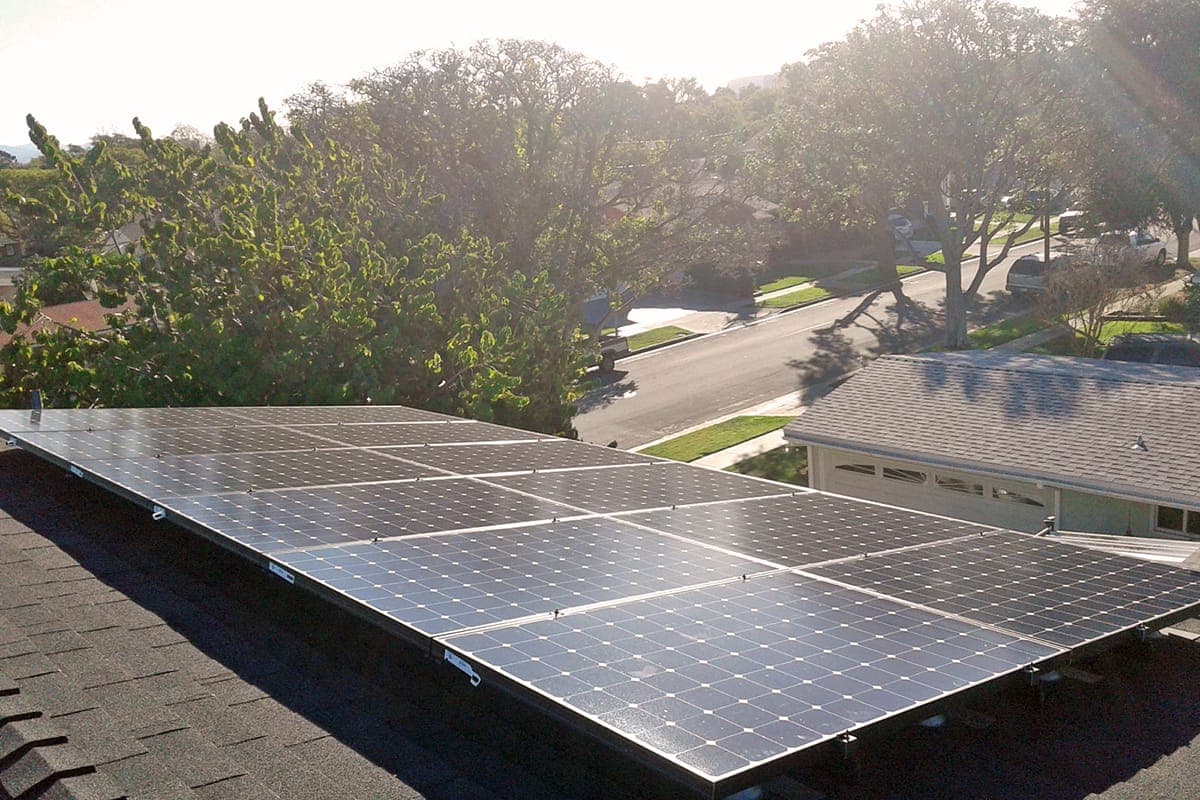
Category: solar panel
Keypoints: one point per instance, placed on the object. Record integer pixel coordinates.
(722, 679)
(332, 415)
(485, 459)
(83, 445)
(713, 623)
(654, 485)
(414, 434)
(224, 472)
(443, 583)
(276, 520)
(805, 528)
(1027, 584)
(82, 419)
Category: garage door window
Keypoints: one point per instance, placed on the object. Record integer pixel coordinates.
(904, 475)
(858, 469)
(1178, 520)
(1009, 496)
(958, 485)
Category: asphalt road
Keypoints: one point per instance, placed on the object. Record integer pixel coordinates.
(665, 391)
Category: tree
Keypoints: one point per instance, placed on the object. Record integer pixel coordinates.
(1138, 76)
(564, 167)
(7, 160)
(946, 102)
(1088, 287)
(272, 274)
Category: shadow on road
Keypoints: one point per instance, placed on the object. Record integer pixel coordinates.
(605, 389)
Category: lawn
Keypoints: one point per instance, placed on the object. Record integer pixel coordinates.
(785, 464)
(640, 341)
(717, 437)
(786, 282)
(810, 294)
(1006, 331)
(1111, 329)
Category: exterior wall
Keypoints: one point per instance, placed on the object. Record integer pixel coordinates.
(982, 498)
(1099, 514)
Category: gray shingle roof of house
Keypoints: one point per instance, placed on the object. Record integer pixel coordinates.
(138, 660)
(1073, 423)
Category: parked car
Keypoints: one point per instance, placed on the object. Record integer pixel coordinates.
(1028, 273)
(1069, 221)
(901, 226)
(1141, 244)
(1155, 348)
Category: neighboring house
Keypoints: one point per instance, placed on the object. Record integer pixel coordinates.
(83, 315)
(11, 252)
(1009, 439)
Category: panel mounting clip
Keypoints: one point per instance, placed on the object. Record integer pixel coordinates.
(11, 441)
(158, 513)
(76, 471)
(275, 569)
(461, 663)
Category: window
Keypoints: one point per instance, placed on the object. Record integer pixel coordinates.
(958, 485)
(860, 469)
(1008, 495)
(904, 475)
(10, 249)
(1178, 520)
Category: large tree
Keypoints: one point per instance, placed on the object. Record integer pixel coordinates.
(1138, 77)
(566, 168)
(949, 103)
(269, 272)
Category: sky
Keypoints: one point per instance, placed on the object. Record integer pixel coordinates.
(88, 66)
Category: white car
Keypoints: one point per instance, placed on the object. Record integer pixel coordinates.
(1146, 246)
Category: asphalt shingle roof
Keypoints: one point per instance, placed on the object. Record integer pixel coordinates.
(1061, 421)
(138, 660)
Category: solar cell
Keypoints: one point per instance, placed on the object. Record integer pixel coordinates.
(721, 679)
(208, 474)
(654, 485)
(91, 445)
(805, 528)
(483, 459)
(438, 584)
(394, 434)
(1031, 585)
(272, 521)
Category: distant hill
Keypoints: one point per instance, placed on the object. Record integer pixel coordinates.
(23, 152)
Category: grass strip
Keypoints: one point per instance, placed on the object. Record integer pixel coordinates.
(640, 341)
(786, 282)
(785, 464)
(1118, 327)
(1006, 331)
(714, 438)
(810, 294)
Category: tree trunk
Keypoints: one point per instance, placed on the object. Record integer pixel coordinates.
(1183, 237)
(885, 255)
(956, 307)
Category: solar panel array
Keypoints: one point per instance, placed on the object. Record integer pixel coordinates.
(714, 623)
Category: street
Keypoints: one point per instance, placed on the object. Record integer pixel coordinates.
(662, 392)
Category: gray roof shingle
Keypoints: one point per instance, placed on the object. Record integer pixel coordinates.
(1066, 422)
